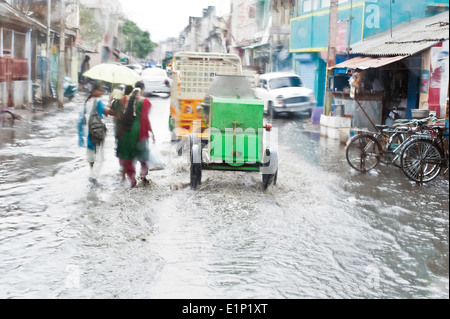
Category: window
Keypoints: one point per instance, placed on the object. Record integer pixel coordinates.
(251, 12)
(284, 82)
(306, 5)
(7, 42)
(309, 5)
(325, 3)
(260, 18)
(19, 45)
(263, 84)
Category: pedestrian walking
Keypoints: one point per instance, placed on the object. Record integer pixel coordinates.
(116, 107)
(90, 121)
(85, 66)
(117, 110)
(134, 135)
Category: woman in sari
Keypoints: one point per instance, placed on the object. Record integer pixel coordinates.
(117, 109)
(134, 134)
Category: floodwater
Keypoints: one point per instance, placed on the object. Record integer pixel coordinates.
(325, 231)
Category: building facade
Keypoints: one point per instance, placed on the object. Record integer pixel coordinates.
(32, 33)
(208, 33)
(109, 14)
(16, 62)
(357, 20)
(250, 26)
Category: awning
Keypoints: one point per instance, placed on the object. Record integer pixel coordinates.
(85, 49)
(254, 46)
(364, 62)
(406, 38)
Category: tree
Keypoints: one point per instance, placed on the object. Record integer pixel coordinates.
(137, 40)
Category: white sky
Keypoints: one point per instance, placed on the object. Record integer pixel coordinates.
(167, 18)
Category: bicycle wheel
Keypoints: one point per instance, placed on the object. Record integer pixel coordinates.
(363, 152)
(422, 160)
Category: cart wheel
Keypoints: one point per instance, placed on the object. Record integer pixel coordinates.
(270, 168)
(196, 161)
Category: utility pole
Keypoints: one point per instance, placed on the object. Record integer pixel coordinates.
(349, 29)
(390, 15)
(46, 91)
(331, 59)
(62, 56)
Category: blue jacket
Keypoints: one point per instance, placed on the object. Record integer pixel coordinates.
(83, 121)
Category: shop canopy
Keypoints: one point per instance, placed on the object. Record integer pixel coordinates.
(401, 42)
(364, 62)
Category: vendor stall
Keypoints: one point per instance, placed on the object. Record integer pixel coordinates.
(360, 88)
(364, 109)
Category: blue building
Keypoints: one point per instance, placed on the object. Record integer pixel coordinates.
(357, 20)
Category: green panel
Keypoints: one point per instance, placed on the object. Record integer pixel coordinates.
(247, 113)
(238, 135)
(237, 146)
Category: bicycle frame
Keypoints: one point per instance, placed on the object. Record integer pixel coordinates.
(441, 138)
(366, 150)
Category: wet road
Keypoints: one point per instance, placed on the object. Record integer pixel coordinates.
(324, 232)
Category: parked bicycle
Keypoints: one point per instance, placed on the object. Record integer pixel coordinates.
(7, 116)
(366, 149)
(425, 155)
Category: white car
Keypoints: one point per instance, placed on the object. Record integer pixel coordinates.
(156, 81)
(283, 92)
(135, 67)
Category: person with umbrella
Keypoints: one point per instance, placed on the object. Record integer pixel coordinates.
(113, 73)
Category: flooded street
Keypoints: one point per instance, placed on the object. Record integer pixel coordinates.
(325, 231)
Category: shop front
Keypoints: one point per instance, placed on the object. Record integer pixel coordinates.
(373, 91)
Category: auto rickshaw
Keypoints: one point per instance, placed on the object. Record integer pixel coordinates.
(234, 138)
(192, 75)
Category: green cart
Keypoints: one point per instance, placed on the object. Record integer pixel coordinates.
(235, 136)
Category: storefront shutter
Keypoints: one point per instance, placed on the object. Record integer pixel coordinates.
(308, 73)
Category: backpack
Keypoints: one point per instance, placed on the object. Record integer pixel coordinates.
(96, 127)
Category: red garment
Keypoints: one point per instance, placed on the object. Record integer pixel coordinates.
(129, 167)
(144, 126)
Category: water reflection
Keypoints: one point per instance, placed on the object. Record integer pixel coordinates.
(7, 136)
(324, 232)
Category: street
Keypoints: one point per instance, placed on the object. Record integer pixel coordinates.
(325, 231)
